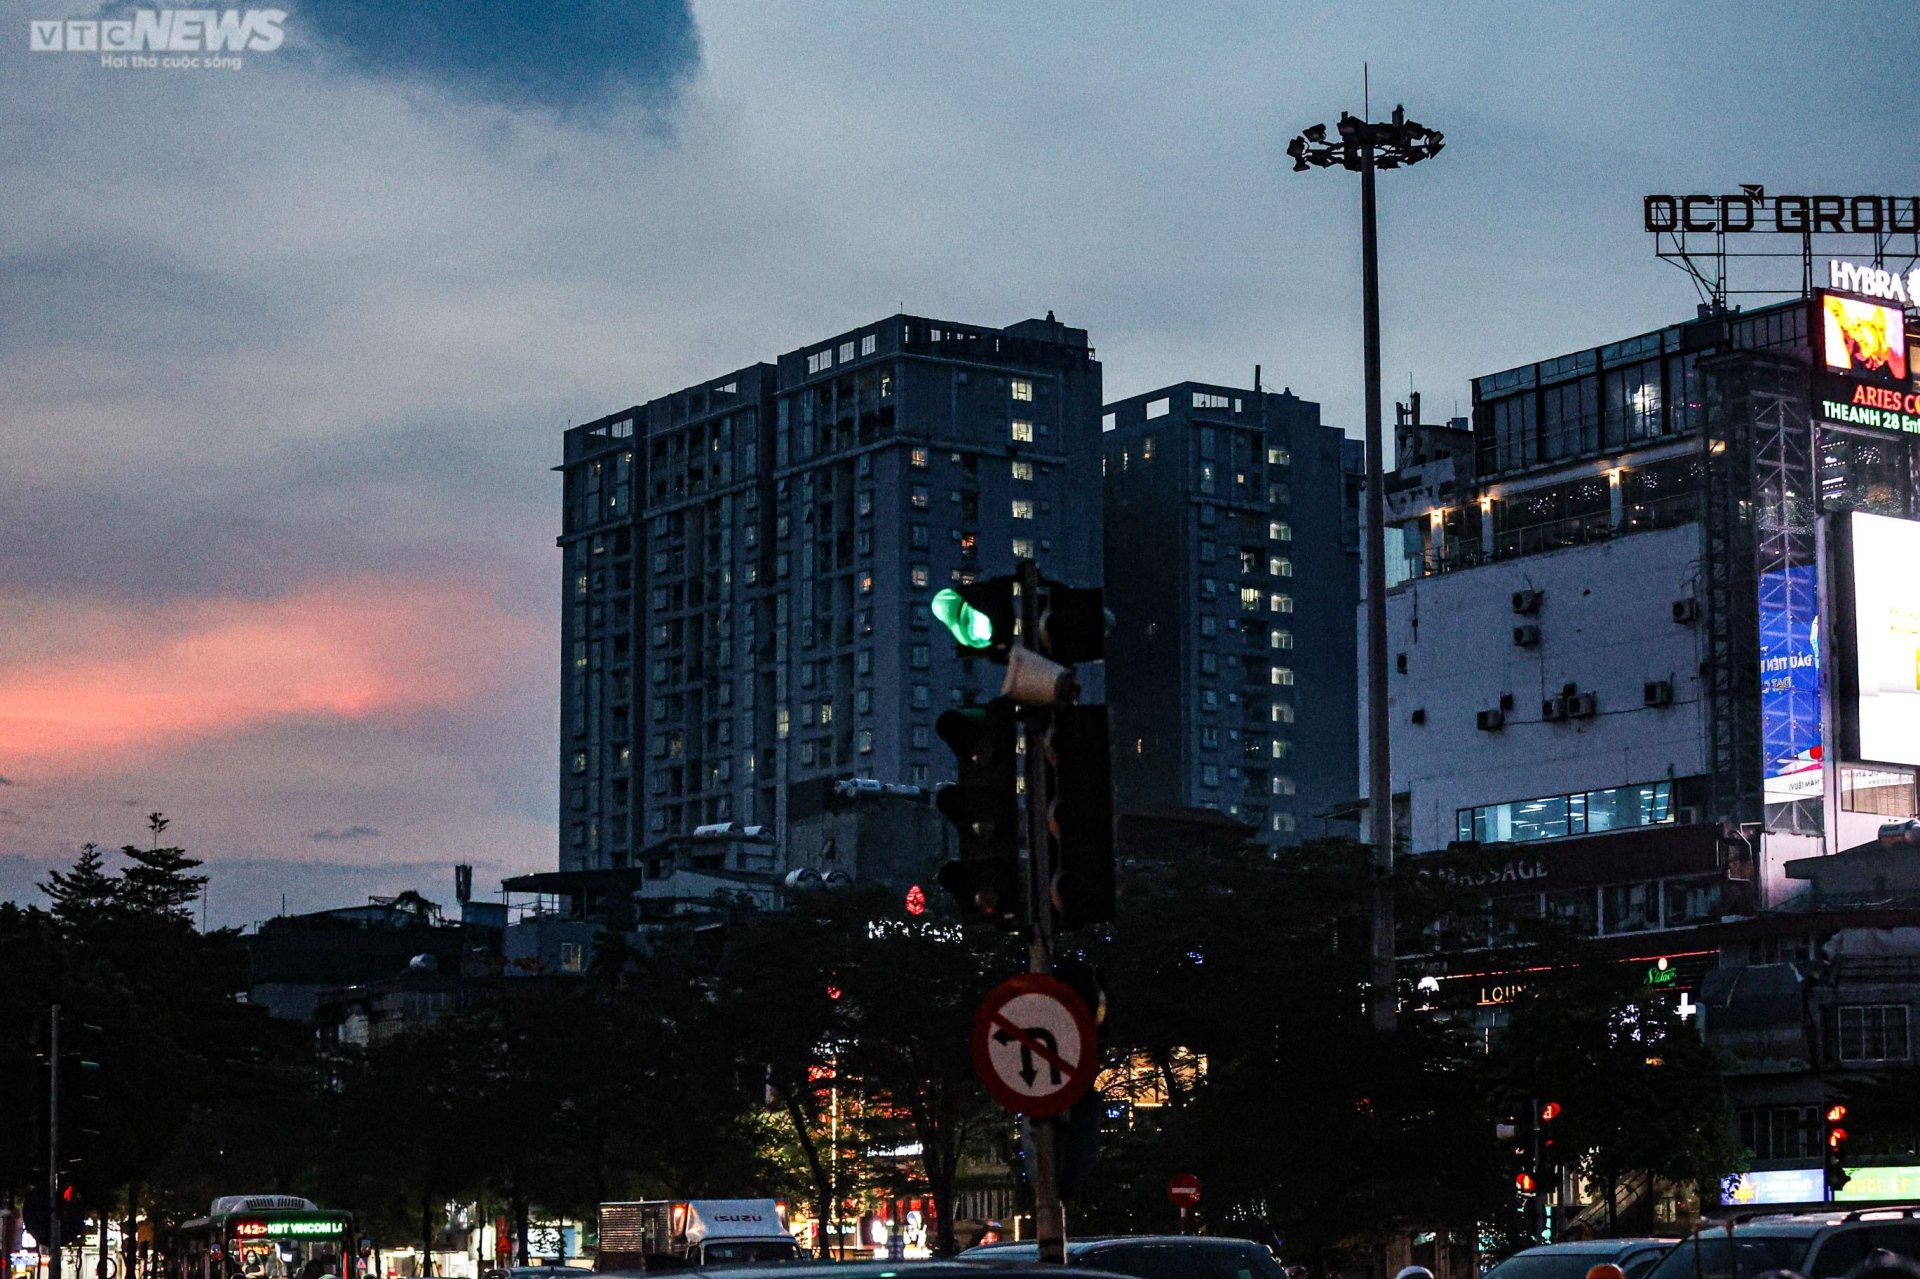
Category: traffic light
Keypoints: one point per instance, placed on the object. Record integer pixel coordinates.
(1525, 1182)
(1547, 1166)
(1080, 815)
(1073, 623)
(980, 615)
(984, 807)
(1835, 1147)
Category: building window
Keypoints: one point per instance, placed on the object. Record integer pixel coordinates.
(579, 761)
(1158, 408)
(1283, 824)
(1581, 813)
(863, 701)
(1023, 548)
(1209, 663)
(1282, 785)
(1209, 588)
(1280, 566)
(1282, 713)
(1280, 675)
(921, 657)
(869, 344)
(1280, 748)
(1020, 389)
(1209, 626)
(1209, 551)
(1209, 700)
(1279, 603)
(1781, 1132)
(922, 698)
(1278, 457)
(846, 352)
(1022, 470)
(572, 957)
(782, 722)
(866, 583)
(863, 741)
(916, 496)
(820, 360)
(1021, 431)
(919, 574)
(1870, 1032)
(1280, 639)
(1208, 400)
(1209, 775)
(1249, 599)
(1022, 509)
(1209, 737)
(1280, 531)
(918, 458)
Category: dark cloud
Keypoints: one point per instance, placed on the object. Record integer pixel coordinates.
(345, 832)
(568, 58)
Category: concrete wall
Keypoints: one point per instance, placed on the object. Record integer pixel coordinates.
(1606, 625)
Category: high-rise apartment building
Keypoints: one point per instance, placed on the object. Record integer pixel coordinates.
(748, 563)
(1232, 575)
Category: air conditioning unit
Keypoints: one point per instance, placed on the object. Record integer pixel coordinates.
(1582, 706)
(1527, 636)
(1506, 701)
(1686, 611)
(1554, 708)
(1526, 603)
(1658, 692)
(1489, 721)
(1419, 715)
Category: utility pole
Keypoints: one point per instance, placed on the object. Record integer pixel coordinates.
(51, 1245)
(1049, 1218)
(1363, 147)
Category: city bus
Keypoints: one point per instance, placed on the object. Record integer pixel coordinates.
(265, 1237)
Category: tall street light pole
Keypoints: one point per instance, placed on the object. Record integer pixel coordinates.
(1364, 147)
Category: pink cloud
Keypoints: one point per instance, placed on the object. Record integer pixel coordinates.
(104, 684)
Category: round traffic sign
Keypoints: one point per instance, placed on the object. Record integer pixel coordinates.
(1184, 1190)
(1034, 1045)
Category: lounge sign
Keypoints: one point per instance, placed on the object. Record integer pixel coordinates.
(1751, 209)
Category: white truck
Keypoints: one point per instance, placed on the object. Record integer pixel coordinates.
(670, 1234)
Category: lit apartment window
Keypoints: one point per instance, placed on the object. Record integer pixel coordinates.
(1146, 449)
(1022, 509)
(918, 458)
(1280, 675)
(868, 344)
(866, 583)
(826, 712)
(1279, 457)
(1280, 531)
(1022, 431)
(1280, 566)
(572, 957)
(1023, 548)
(846, 352)
(782, 722)
(1279, 603)
(1249, 599)
(1281, 748)
(1020, 389)
(1022, 470)
(917, 496)
(820, 360)
(1283, 823)
(1280, 639)
(1282, 713)
(579, 761)
(919, 574)
(1282, 785)
(864, 739)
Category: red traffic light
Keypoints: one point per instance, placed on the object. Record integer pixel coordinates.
(1836, 1138)
(1836, 1113)
(66, 1194)
(1549, 1112)
(1525, 1181)
(916, 901)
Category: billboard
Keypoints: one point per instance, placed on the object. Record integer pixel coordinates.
(1885, 638)
(1790, 683)
(1863, 339)
(1863, 363)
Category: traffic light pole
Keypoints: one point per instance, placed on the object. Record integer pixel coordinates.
(51, 1245)
(1050, 1223)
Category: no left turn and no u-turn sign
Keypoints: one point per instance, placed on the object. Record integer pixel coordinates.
(1034, 1045)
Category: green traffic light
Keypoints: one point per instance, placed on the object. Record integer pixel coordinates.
(969, 625)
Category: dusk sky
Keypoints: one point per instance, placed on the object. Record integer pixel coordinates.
(286, 351)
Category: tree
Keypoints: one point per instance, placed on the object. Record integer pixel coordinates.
(1640, 1090)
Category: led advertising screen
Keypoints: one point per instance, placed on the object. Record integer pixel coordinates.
(1790, 683)
(1886, 637)
(1864, 339)
(1864, 364)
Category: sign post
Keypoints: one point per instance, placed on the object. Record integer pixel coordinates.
(1184, 1192)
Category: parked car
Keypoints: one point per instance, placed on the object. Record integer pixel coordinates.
(1572, 1260)
(1030, 1269)
(1821, 1244)
(1150, 1256)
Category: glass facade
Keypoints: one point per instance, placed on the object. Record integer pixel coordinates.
(1557, 816)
